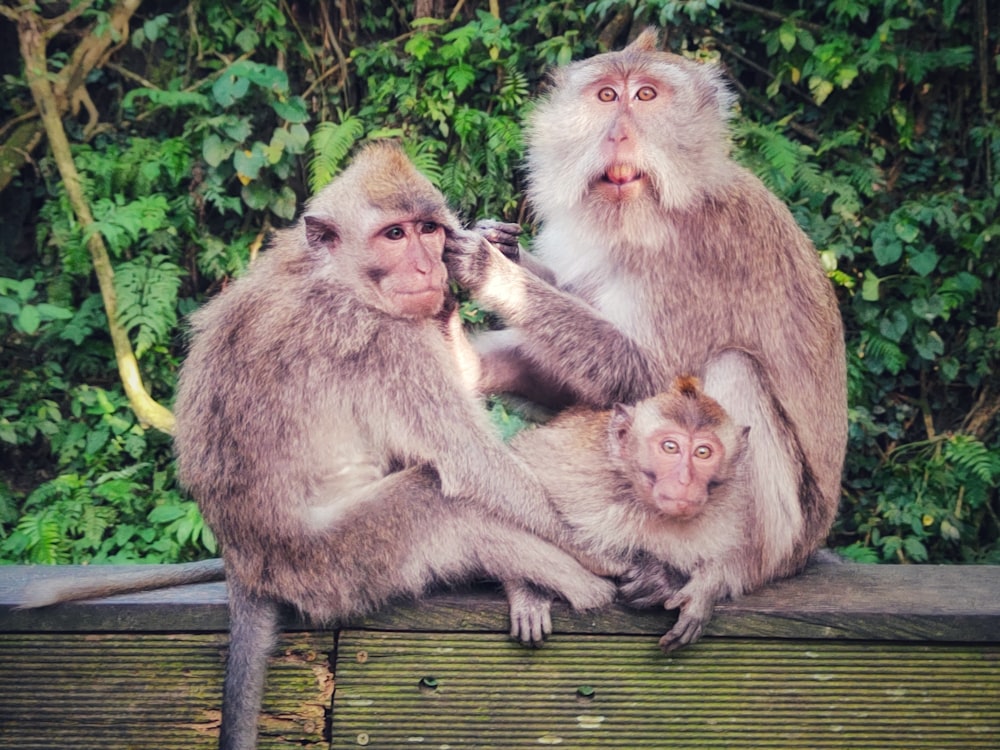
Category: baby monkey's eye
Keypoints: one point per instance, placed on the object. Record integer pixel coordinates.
(670, 446)
(703, 451)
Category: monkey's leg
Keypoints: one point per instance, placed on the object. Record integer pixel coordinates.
(253, 632)
(773, 464)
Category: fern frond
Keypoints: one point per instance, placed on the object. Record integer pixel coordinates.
(331, 142)
(973, 457)
(147, 298)
(45, 543)
(882, 353)
(425, 157)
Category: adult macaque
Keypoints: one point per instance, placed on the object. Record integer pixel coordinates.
(330, 441)
(671, 258)
(662, 480)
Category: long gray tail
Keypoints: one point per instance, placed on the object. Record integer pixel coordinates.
(94, 585)
(253, 632)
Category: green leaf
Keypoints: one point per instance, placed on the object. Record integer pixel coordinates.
(238, 129)
(929, 345)
(887, 251)
(915, 549)
(49, 311)
(165, 513)
(29, 319)
(257, 195)
(297, 139)
(229, 89)
(419, 45)
(893, 326)
(924, 262)
(821, 88)
(293, 110)
(787, 36)
(249, 162)
(461, 76)
(906, 231)
(284, 203)
(247, 39)
(215, 151)
(870, 286)
(928, 308)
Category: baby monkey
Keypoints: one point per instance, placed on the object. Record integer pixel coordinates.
(639, 484)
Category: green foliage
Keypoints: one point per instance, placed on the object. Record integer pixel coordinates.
(869, 119)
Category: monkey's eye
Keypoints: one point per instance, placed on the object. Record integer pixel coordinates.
(670, 446)
(429, 227)
(703, 452)
(607, 94)
(394, 232)
(645, 94)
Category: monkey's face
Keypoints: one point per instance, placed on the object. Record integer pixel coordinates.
(678, 468)
(406, 267)
(626, 134)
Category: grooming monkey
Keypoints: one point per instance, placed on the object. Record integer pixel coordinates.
(670, 258)
(330, 441)
(660, 480)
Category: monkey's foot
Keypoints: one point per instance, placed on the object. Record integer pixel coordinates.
(530, 614)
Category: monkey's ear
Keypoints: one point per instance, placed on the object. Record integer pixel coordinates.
(321, 234)
(619, 426)
(742, 441)
(647, 41)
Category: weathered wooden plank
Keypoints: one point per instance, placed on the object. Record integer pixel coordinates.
(914, 602)
(122, 690)
(620, 691)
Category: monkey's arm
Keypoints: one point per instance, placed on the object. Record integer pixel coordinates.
(561, 330)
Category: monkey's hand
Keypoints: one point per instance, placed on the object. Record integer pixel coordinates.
(503, 235)
(480, 267)
(648, 583)
(695, 612)
(530, 613)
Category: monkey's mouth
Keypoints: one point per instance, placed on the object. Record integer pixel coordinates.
(621, 174)
(620, 184)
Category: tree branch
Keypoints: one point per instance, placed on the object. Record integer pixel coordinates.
(92, 52)
(30, 28)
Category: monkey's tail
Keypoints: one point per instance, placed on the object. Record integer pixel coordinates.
(45, 592)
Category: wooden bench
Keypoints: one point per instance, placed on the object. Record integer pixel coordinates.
(843, 656)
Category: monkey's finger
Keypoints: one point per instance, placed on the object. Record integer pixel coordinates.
(685, 632)
(677, 600)
(504, 236)
(497, 231)
(531, 628)
(462, 241)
